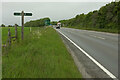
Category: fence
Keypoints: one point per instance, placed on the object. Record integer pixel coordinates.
(9, 40)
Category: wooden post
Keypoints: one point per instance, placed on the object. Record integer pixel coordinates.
(9, 37)
(16, 31)
(30, 29)
(22, 31)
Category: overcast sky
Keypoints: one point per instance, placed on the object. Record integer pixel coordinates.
(54, 10)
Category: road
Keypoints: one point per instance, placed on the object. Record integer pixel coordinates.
(102, 46)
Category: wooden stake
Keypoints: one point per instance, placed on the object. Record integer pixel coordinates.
(30, 29)
(22, 31)
(16, 31)
(9, 37)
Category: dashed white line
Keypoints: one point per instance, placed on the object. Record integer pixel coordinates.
(97, 37)
(96, 62)
(101, 37)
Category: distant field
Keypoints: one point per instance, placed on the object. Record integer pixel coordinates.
(42, 54)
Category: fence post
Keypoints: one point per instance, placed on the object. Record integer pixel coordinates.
(9, 37)
(30, 29)
(16, 31)
(22, 32)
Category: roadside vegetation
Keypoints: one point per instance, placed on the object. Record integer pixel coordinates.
(106, 19)
(41, 54)
(38, 23)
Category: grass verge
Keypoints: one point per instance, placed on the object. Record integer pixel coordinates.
(42, 54)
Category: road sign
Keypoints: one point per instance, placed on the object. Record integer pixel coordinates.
(25, 14)
(17, 14)
(47, 22)
(22, 14)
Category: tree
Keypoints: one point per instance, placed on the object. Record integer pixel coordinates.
(107, 17)
(16, 25)
(9, 25)
(37, 23)
(2, 25)
(54, 22)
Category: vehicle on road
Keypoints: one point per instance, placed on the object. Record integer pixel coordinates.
(58, 25)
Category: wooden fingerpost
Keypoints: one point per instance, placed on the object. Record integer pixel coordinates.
(9, 37)
(22, 31)
(16, 32)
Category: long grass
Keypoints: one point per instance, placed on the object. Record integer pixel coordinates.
(12, 30)
(42, 54)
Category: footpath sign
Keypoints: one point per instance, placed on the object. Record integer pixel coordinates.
(25, 14)
(22, 14)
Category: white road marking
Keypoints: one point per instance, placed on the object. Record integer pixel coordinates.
(101, 37)
(96, 62)
(97, 37)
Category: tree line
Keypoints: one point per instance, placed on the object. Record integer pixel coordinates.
(3, 25)
(33, 23)
(37, 23)
(107, 17)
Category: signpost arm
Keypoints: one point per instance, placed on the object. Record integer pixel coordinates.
(22, 32)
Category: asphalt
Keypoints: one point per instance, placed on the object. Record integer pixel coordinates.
(102, 46)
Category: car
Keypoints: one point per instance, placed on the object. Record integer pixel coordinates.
(57, 27)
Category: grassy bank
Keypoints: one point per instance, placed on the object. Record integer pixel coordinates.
(95, 29)
(42, 54)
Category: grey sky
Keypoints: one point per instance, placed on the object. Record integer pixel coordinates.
(54, 10)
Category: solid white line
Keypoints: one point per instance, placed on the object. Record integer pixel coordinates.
(96, 62)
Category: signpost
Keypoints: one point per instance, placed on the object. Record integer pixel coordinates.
(22, 14)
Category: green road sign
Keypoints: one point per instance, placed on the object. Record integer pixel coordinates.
(25, 14)
(47, 22)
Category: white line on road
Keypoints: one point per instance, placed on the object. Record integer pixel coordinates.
(96, 62)
(97, 37)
